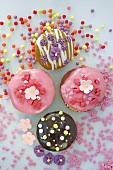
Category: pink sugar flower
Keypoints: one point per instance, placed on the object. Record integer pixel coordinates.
(28, 138)
(25, 124)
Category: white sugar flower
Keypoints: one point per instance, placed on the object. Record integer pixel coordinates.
(31, 93)
(86, 86)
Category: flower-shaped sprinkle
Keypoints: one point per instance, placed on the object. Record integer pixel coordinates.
(68, 38)
(25, 124)
(39, 151)
(66, 61)
(44, 58)
(86, 86)
(28, 138)
(55, 43)
(48, 158)
(55, 53)
(43, 42)
(50, 37)
(59, 160)
(64, 47)
(31, 92)
(61, 41)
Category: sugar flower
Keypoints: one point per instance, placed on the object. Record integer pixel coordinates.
(61, 41)
(68, 39)
(43, 42)
(55, 53)
(44, 59)
(39, 151)
(59, 160)
(28, 138)
(54, 43)
(64, 47)
(25, 124)
(66, 61)
(50, 37)
(48, 158)
(86, 86)
(31, 92)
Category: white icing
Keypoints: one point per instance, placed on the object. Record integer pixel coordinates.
(45, 50)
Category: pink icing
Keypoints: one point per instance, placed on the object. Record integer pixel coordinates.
(31, 78)
(76, 98)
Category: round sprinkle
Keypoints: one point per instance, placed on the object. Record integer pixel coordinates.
(92, 10)
(7, 60)
(40, 125)
(40, 130)
(111, 67)
(42, 119)
(9, 17)
(55, 126)
(52, 131)
(38, 97)
(110, 30)
(25, 82)
(84, 47)
(62, 118)
(57, 148)
(96, 39)
(53, 118)
(65, 132)
(7, 35)
(60, 113)
(72, 17)
(96, 31)
(61, 137)
(80, 59)
(67, 127)
(5, 50)
(44, 137)
(8, 22)
(48, 143)
(68, 7)
(102, 26)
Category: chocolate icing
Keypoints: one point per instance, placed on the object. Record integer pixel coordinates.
(56, 131)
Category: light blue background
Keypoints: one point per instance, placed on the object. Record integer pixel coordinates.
(81, 10)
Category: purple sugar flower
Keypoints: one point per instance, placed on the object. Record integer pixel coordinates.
(66, 61)
(50, 37)
(61, 41)
(43, 42)
(44, 58)
(55, 53)
(48, 158)
(68, 38)
(59, 160)
(39, 151)
(64, 47)
(55, 43)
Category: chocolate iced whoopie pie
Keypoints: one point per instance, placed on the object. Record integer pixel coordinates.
(56, 131)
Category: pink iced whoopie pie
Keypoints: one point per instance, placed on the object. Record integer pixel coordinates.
(31, 91)
(83, 88)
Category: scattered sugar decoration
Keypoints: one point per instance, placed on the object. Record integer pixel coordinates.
(25, 124)
(28, 138)
(39, 151)
(31, 93)
(86, 86)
